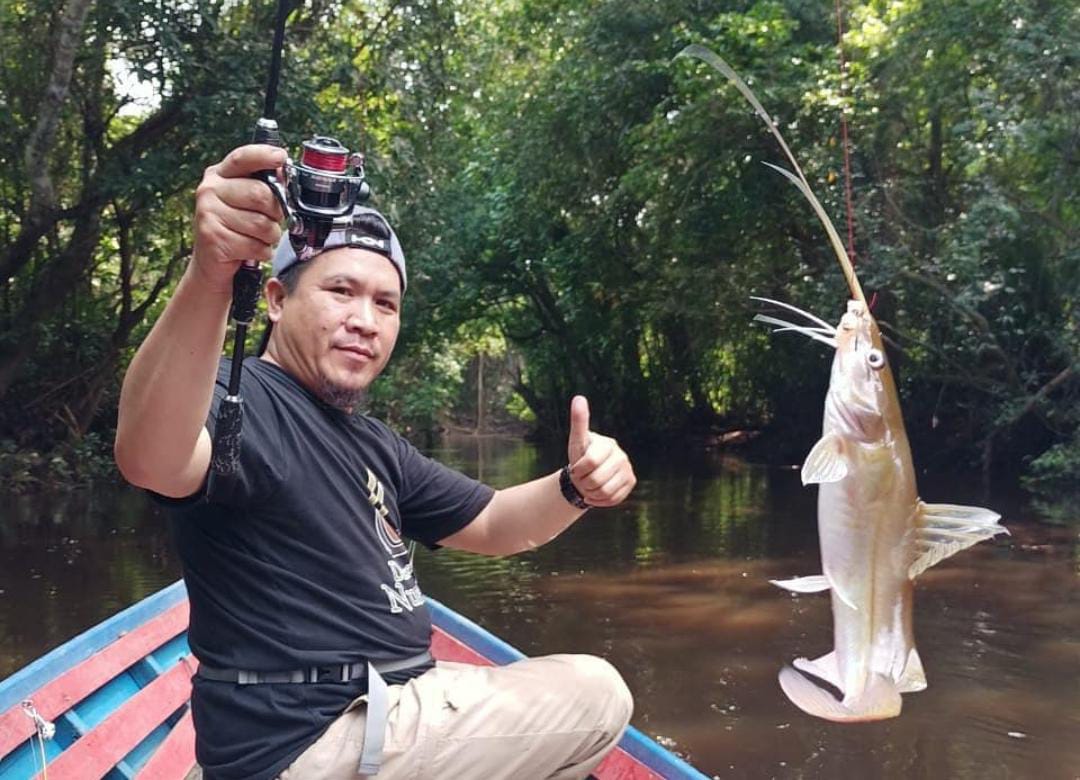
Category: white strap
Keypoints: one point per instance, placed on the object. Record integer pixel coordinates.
(375, 724)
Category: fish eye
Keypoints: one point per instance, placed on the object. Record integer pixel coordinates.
(875, 359)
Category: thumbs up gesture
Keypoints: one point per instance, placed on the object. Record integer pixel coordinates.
(599, 468)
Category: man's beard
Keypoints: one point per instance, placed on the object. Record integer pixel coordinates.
(347, 399)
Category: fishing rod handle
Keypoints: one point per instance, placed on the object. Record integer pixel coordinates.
(225, 454)
(247, 282)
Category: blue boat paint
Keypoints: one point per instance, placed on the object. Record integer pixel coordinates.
(657, 758)
(25, 760)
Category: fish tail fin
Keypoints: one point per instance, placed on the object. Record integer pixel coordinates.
(880, 699)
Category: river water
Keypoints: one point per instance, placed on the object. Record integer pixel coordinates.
(672, 587)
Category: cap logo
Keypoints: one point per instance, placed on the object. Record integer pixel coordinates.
(366, 240)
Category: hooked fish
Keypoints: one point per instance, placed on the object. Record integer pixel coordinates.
(876, 534)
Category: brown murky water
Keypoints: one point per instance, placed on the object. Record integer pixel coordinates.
(673, 588)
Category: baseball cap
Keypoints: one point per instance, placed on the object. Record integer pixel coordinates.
(368, 229)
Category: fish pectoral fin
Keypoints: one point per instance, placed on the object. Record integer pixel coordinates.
(813, 584)
(825, 668)
(878, 701)
(826, 461)
(942, 530)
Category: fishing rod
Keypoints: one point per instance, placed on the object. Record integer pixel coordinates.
(797, 178)
(248, 278)
(318, 196)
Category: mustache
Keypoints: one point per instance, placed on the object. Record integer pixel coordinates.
(366, 348)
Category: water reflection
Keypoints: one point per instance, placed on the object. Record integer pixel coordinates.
(673, 588)
(70, 560)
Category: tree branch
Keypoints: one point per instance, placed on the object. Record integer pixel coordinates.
(1059, 379)
(975, 317)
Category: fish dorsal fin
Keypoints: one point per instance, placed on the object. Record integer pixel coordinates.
(944, 529)
(826, 461)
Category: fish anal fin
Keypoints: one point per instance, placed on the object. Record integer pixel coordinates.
(880, 699)
(813, 584)
(942, 530)
(825, 668)
(840, 593)
(826, 461)
(913, 678)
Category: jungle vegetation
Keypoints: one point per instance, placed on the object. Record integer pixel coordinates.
(581, 211)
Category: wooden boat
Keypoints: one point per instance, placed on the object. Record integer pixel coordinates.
(113, 701)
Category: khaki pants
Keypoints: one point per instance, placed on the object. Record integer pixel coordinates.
(552, 717)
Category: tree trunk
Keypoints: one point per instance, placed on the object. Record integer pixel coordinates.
(41, 212)
(40, 143)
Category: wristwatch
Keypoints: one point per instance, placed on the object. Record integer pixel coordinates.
(569, 490)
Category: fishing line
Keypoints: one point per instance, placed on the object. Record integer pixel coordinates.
(848, 199)
(43, 730)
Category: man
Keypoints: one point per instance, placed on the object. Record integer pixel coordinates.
(306, 618)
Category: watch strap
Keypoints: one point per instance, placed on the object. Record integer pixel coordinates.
(569, 489)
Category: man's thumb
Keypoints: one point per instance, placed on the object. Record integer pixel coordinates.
(579, 428)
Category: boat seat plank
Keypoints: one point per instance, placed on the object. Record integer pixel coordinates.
(175, 756)
(71, 687)
(102, 748)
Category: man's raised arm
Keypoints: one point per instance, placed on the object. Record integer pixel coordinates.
(526, 516)
(161, 439)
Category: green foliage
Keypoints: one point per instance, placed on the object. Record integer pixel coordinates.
(70, 464)
(567, 191)
(1052, 477)
(418, 407)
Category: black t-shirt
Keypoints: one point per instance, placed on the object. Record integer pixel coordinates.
(297, 560)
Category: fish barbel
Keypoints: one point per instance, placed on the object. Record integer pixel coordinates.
(876, 534)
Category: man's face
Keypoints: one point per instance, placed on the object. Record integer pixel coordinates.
(336, 331)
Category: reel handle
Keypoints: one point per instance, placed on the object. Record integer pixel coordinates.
(267, 132)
